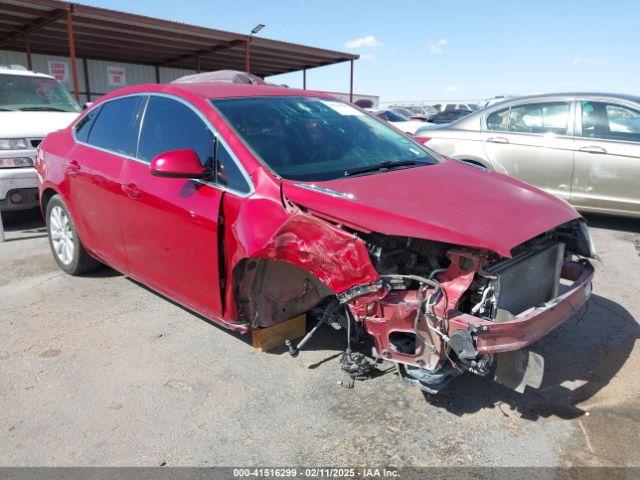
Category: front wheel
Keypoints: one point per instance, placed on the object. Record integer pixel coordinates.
(66, 246)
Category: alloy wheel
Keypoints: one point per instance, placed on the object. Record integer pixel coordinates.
(61, 235)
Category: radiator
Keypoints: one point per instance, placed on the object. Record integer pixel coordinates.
(529, 279)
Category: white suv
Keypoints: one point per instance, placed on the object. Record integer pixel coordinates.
(31, 106)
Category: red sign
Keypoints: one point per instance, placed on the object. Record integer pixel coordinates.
(116, 76)
(59, 71)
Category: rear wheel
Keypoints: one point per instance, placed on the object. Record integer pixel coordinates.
(66, 246)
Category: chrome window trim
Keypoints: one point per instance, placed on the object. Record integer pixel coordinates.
(218, 137)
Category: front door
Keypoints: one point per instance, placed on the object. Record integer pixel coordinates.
(532, 142)
(607, 158)
(170, 225)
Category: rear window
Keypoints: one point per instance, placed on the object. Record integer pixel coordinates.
(28, 93)
(305, 138)
(113, 129)
(83, 127)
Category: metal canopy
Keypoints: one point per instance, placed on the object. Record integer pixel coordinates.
(58, 28)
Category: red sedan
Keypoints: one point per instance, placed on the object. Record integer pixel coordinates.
(253, 204)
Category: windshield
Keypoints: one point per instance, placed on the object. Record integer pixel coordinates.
(303, 138)
(27, 93)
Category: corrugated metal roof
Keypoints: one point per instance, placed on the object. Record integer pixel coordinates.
(104, 34)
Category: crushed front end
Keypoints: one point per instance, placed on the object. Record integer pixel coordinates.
(442, 309)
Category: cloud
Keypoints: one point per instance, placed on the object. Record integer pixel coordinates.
(453, 88)
(367, 57)
(368, 41)
(589, 61)
(436, 47)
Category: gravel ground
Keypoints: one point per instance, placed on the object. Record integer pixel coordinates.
(98, 370)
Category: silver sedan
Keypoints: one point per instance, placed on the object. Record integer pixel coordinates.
(584, 148)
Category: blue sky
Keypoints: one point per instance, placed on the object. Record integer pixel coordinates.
(455, 49)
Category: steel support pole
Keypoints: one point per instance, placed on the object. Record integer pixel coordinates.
(72, 55)
(27, 47)
(1, 229)
(351, 84)
(87, 84)
(304, 78)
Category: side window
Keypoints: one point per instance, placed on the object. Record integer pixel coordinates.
(115, 126)
(610, 121)
(551, 117)
(84, 125)
(498, 120)
(171, 125)
(227, 172)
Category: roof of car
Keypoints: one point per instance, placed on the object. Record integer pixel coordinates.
(23, 72)
(621, 96)
(227, 90)
(211, 90)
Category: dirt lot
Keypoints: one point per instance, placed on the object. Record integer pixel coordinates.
(98, 370)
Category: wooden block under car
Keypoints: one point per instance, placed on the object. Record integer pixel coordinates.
(268, 338)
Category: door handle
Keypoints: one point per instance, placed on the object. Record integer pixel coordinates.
(73, 168)
(131, 190)
(593, 149)
(498, 140)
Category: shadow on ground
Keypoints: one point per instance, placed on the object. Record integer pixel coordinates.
(581, 358)
(609, 222)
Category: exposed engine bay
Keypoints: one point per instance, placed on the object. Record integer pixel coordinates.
(436, 307)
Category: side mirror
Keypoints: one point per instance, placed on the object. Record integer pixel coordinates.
(182, 163)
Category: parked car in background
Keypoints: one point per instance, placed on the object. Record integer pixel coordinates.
(397, 120)
(448, 116)
(492, 101)
(445, 107)
(253, 204)
(422, 113)
(582, 147)
(417, 109)
(31, 106)
(364, 103)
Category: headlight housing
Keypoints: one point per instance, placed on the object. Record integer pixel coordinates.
(14, 144)
(16, 162)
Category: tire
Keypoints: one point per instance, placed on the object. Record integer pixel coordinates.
(67, 249)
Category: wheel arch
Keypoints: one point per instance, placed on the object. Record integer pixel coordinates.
(45, 197)
(268, 291)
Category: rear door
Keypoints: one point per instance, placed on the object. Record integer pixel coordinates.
(607, 157)
(105, 137)
(533, 142)
(170, 225)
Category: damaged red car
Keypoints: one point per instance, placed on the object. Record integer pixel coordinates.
(252, 204)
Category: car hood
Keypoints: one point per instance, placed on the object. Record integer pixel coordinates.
(448, 202)
(33, 124)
